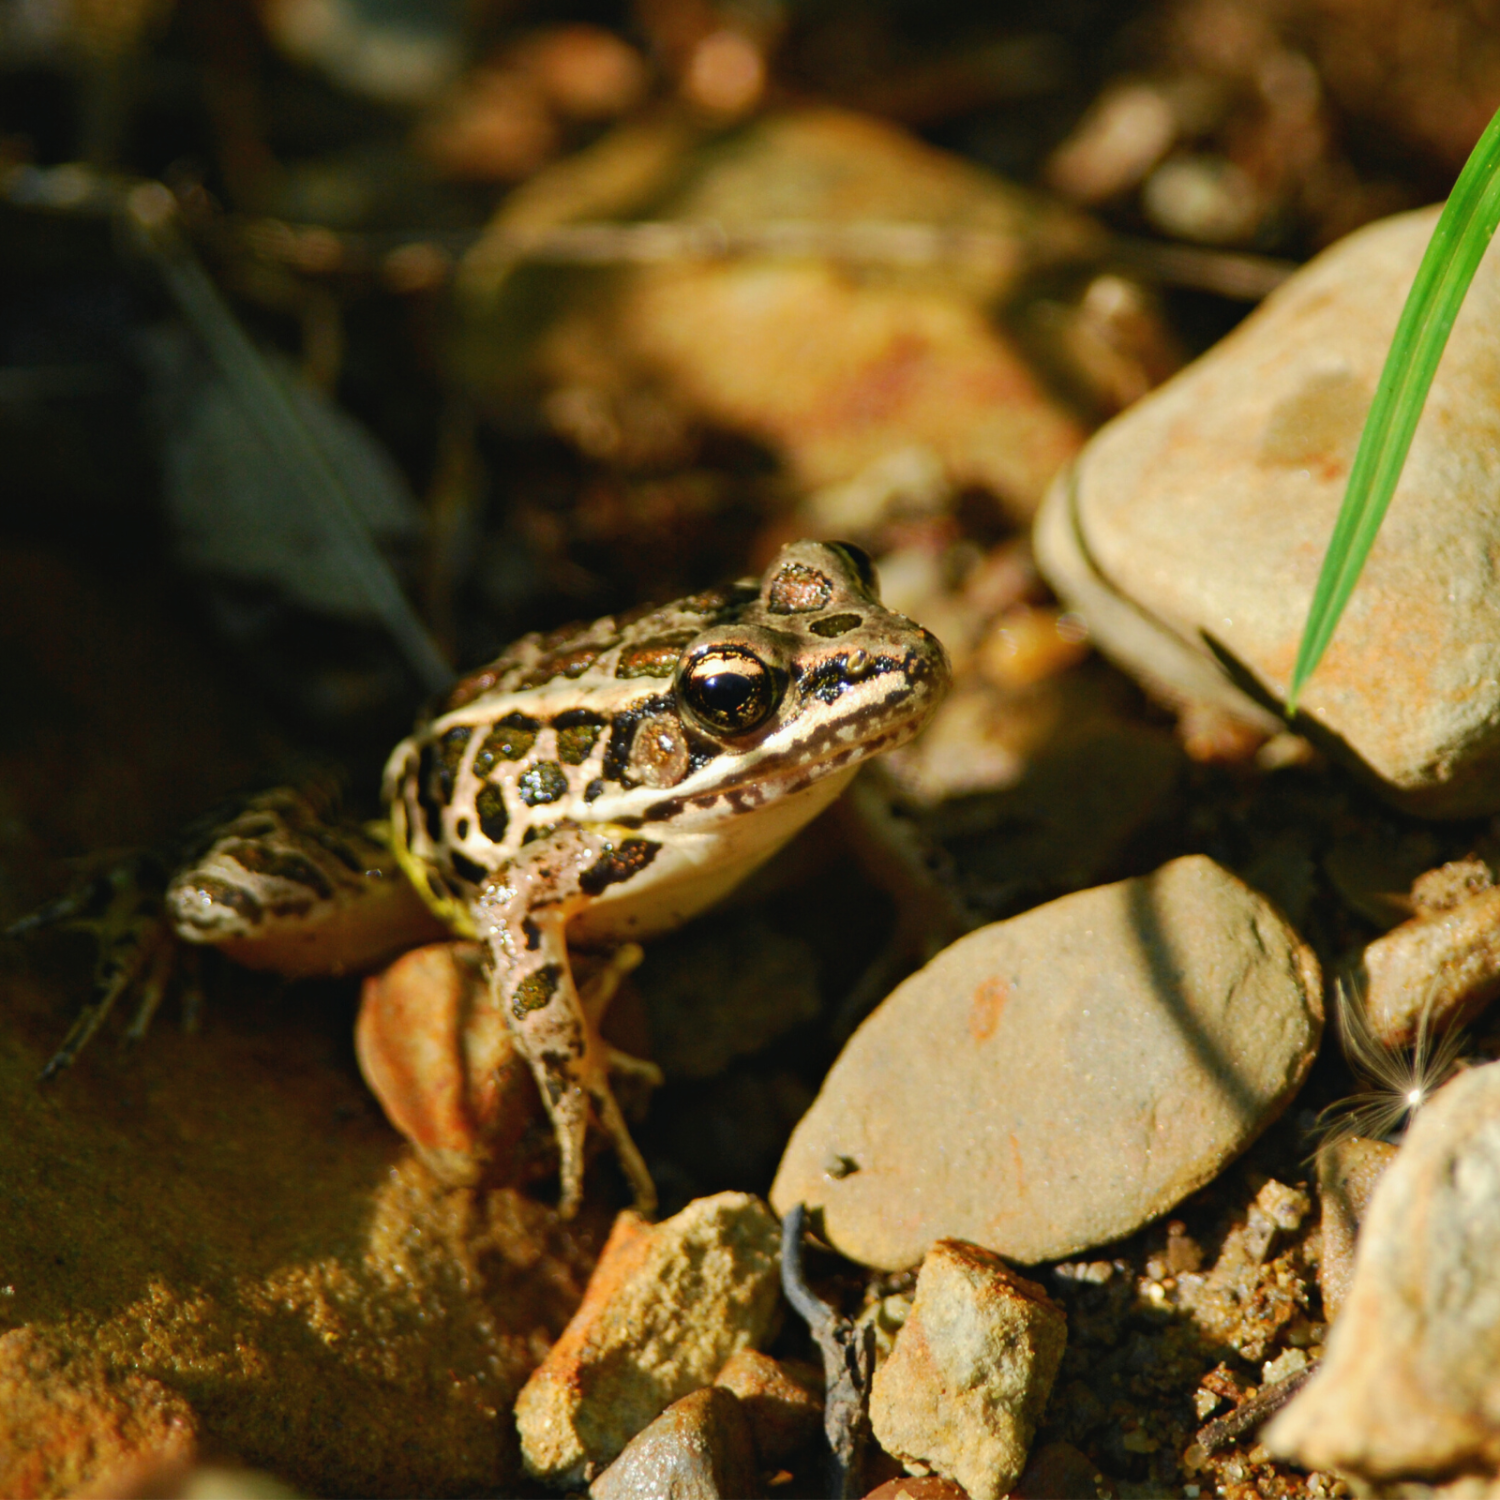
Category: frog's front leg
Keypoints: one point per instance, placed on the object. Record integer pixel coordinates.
(522, 915)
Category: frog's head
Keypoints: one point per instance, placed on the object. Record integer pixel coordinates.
(814, 671)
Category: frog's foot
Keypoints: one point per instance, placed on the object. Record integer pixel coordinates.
(122, 908)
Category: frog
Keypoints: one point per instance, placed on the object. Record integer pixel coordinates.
(590, 788)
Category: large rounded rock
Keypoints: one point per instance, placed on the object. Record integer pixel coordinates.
(1053, 1082)
(1410, 1385)
(1191, 529)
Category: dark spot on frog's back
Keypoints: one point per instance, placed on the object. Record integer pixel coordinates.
(572, 664)
(544, 782)
(494, 819)
(222, 893)
(653, 658)
(281, 864)
(510, 739)
(616, 864)
(450, 753)
(578, 732)
(466, 869)
(535, 990)
(428, 802)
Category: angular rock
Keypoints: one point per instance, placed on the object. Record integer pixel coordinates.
(439, 1058)
(784, 1409)
(1191, 529)
(969, 1378)
(699, 1448)
(1409, 1386)
(1348, 1171)
(1053, 1082)
(667, 1305)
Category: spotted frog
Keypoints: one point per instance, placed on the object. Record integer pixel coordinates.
(591, 786)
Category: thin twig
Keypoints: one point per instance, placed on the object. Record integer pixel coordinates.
(848, 1351)
(1251, 1413)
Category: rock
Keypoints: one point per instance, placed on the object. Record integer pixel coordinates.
(919, 1487)
(438, 1056)
(68, 1421)
(1445, 962)
(1409, 1386)
(667, 1305)
(1250, 1294)
(728, 986)
(182, 1481)
(836, 367)
(969, 1378)
(1058, 1472)
(1191, 529)
(1053, 1082)
(1348, 1171)
(781, 1403)
(699, 1448)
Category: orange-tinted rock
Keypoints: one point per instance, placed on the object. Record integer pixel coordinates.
(966, 1385)
(919, 1487)
(67, 1420)
(437, 1054)
(785, 1412)
(666, 1307)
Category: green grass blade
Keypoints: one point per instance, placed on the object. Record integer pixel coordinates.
(1458, 244)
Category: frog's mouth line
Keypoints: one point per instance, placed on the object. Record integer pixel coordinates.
(780, 775)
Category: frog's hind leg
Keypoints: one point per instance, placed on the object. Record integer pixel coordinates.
(533, 981)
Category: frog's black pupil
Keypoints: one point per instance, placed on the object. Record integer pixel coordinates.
(730, 690)
(726, 693)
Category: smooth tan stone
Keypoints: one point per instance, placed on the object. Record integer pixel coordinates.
(1193, 527)
(1052, 1082)
(666, 1307)
(968, 1380)
(1410, 1384)
(699, 1448)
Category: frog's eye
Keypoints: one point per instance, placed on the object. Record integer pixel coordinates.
(729, 689)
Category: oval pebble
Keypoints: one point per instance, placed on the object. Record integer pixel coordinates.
(1054, 1081)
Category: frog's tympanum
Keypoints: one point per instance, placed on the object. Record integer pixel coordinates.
(595, 785)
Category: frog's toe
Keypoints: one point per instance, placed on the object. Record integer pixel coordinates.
(626, 1150)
